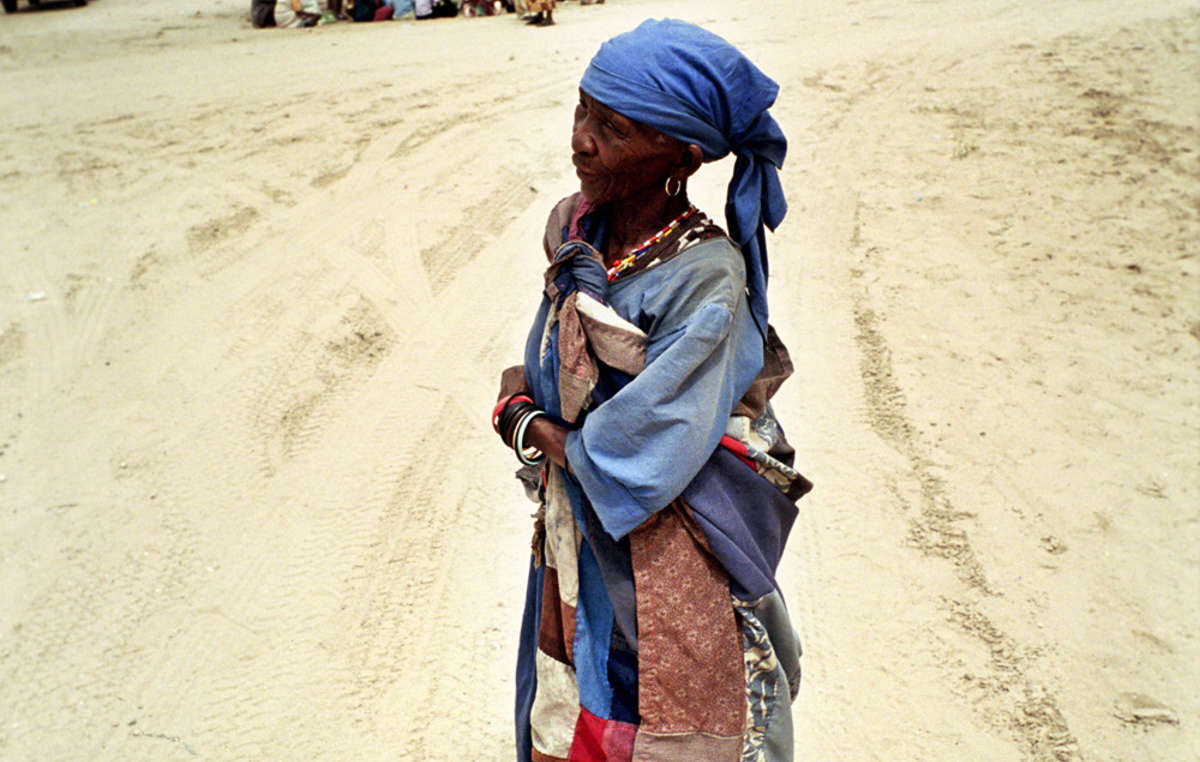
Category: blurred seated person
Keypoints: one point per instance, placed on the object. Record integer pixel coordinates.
(262, 13)
(479, 7)
(402, 8)
(543, 13)
(375, 10)
(436, 9)
(290, 14)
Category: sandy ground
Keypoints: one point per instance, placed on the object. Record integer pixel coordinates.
(256, 287)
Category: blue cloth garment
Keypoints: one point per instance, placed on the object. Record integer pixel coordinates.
(648, 436)
(748, 543)
(690, 84)
(526, 656)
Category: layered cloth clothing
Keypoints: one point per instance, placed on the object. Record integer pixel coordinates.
(653, 627)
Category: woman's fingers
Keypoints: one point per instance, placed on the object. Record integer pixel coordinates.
(512, 381)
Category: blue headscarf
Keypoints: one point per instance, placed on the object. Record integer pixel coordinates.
(694, 86)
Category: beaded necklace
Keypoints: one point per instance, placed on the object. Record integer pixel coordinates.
(629, 261)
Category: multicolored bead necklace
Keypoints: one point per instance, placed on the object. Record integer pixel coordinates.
(629, 261)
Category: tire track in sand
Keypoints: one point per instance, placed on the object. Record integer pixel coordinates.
(1007, 695)
(400, 598)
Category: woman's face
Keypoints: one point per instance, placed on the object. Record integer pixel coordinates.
(616, 158)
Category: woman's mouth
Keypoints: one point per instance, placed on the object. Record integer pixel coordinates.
(579, 170)
(584, 176)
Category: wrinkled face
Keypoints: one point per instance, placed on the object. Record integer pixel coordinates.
(616, 158)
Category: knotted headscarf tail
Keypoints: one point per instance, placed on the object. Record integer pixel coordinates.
(689, 83)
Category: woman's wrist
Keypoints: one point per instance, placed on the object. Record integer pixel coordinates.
(527, 453)
(550, 438)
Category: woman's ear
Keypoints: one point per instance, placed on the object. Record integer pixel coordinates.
(691, 160)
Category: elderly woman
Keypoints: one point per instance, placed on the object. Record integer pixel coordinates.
(653, 626)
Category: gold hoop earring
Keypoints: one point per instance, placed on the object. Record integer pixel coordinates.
(678, 186)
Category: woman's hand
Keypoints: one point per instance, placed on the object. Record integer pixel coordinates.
(512, 381)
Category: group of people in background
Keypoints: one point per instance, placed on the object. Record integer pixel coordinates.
(305, 13)
(541, 12)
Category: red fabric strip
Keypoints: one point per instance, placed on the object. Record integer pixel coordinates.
(573, 231)
(738, 448)
(618, 741)
(588, 745)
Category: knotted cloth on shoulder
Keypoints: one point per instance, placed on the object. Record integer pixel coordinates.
(588, 329)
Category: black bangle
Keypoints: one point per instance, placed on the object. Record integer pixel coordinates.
(510, 417)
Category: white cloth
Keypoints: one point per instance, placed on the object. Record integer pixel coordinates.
(286, 17)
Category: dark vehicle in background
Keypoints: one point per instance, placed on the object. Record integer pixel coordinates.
(10, 6)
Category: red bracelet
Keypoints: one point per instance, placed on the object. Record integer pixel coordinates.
(510, 399)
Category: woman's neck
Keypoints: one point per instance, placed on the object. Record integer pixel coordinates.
(632, 223)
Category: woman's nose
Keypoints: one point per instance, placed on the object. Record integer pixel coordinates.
(581, 140)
